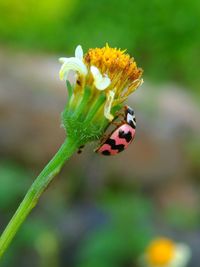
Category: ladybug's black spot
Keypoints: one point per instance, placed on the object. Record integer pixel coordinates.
(106, 152)
(131, 124)
(111, 142)
(120, 148)
(126, 136)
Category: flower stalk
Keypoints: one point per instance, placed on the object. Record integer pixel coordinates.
(35, 191)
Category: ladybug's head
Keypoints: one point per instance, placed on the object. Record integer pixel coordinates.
(130, 117)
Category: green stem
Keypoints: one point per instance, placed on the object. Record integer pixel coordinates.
(35, 191)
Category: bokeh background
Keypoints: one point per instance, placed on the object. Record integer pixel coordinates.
(101, 211)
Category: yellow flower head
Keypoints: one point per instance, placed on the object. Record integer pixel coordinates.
(118, 66)
(161, 251)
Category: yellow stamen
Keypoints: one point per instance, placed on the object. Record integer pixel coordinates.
(120, 67)
(160, 252)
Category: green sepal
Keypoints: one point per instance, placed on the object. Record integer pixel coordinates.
(84, 119)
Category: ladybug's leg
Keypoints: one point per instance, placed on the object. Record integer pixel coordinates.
(80, 149)
(117, 124)
(121, 111)
(119, 114)
(104, 138)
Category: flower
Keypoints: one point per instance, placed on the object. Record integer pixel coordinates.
(163, 252)
(104, 69)
(104, 78)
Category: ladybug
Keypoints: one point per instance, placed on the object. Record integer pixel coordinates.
(121, 136)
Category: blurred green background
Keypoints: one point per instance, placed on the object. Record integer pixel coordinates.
(164, 36)
(101, 211)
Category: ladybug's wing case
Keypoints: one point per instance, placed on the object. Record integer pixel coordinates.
(118, 140)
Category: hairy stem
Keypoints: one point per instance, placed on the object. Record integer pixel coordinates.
(35, 191)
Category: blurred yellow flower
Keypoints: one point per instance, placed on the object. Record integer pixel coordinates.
(163, 252)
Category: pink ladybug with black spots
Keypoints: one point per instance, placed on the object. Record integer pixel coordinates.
(120, 138)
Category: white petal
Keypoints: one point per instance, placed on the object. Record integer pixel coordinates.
(72, 63)
(95, 71)
(108, 105)
(103, 83)
(63, 59)
(181, 257)
(100, 82)
(79, 52)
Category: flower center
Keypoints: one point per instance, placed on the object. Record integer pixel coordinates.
(160, 252)
(115, 63)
